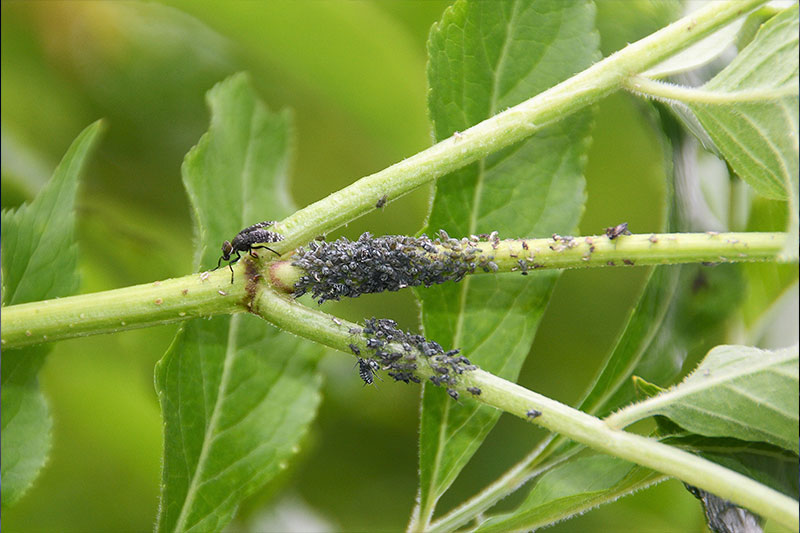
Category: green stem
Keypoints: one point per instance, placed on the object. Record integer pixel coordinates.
(516, 255)
(668, 92)
(161, 302)
(559, 418)
(211, 293)
(508, 127)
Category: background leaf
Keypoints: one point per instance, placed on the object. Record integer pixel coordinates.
(760, 139)
(737, 391)
(572, 488)
(39, 262)
(763, 462)
(237, 395)
(483, 58)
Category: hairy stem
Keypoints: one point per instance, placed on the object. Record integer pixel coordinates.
(211, 293)
(675, 93)
(508, 127)
(161, 302)
(572, 423)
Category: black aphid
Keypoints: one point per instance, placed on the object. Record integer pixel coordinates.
(453, 393)
(612, 232)
(533, 413)
(475, 391)
(375, 264)
(246, 240)
(381, 202)
(366, 368)
(355, 349)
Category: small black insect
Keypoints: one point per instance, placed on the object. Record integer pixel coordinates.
(381, 202)
(533, 413)
(453, 394)
(475, 391)
(245, 241)
(615, 231)
(355, 349)
(366, 369)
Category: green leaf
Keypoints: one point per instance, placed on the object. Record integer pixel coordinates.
(755, 137)
(237, 395)
(768, 284)
(569, 489)
(40, 259)
(767, 464)
(700, 302)
(759, 138)
(737, 391)
(484, 57)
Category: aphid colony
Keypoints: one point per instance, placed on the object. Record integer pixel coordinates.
(345, 268)
(398, 352)
(246, 240)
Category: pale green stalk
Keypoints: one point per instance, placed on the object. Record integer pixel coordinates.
(510, 126)
(287, 314)
(675, 93)
(211, 293)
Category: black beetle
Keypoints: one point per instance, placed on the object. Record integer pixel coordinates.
(245, 241)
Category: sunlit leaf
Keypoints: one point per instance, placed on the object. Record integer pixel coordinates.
(40, 258)
(737, 391)
(485, 57)
(237, 395)
(759, 138)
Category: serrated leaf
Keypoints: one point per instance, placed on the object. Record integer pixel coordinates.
(237, 395)
(40, 259)
(569, 489)
(484, 57)
(739, 392)
(759, 139)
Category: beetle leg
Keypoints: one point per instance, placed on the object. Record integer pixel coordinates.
(267, 247)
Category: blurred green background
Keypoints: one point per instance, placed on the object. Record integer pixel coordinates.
(354, 75)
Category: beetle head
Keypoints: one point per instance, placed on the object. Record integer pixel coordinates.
(227, 248)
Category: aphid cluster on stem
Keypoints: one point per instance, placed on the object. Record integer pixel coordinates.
(399, 352)
(246, 241)
(345, 268)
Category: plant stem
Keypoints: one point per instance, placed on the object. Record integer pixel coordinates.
(211, 293)
(508, 127)
(577, 425)
(523, 255)
(160, 302)
(675, 93)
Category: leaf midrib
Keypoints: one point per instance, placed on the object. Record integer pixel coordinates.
(473, 222)
(230, 353)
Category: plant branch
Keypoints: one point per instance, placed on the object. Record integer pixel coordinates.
(161, 302)
(290, 316)
(675, 93)
(507, 127)
(211, 293)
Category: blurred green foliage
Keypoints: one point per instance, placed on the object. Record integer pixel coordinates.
(354, 75)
